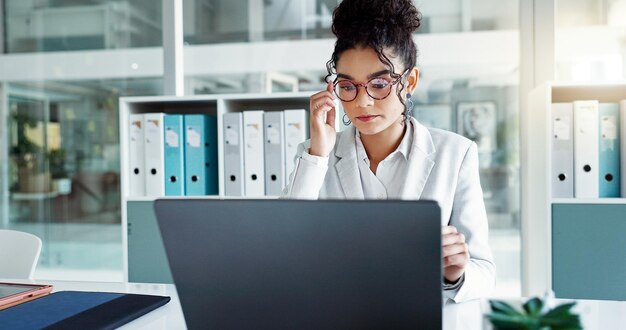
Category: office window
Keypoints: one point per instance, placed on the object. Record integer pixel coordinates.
(64, 172)
(59, 25)
(590, 40)
(219, 21)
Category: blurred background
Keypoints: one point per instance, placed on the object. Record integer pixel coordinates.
(65, 63)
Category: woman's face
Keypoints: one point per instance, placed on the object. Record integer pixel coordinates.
(371, 116)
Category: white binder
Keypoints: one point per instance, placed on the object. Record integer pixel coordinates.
(137, 173)
(254, 165)
(622, 124)
(586, 149)
(562, 150)
(273, 122)
(233, 154)
(154, 157)
(296, 132)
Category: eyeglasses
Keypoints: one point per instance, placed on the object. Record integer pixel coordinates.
(376, 88)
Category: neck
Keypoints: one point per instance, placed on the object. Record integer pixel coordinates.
(380, 145)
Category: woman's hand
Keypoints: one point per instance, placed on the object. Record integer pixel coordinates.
(455, 253)
(323, 134)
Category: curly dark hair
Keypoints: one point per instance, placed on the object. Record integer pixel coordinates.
(377, 24)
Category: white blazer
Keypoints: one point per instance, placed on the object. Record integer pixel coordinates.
(443, 167)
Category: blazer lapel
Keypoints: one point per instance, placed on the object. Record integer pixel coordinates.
(420, 162)
(347, 166)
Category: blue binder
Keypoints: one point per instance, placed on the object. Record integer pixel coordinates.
(609, 150)
(79, 310)
(174, 154)
(201, 155)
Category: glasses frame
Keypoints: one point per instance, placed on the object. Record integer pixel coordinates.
(364, 85)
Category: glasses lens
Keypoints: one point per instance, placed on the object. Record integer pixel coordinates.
(378, 88)
(346, 90)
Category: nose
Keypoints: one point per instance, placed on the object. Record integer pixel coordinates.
(363, 99)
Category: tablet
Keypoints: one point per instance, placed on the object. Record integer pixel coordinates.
(12, 294)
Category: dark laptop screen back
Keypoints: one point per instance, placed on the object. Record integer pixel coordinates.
(255, 264)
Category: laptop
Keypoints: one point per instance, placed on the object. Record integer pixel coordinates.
(327, 264)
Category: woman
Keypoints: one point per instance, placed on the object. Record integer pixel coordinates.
(387, 154)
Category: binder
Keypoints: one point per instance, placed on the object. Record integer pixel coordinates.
(296, 132)
(174, 155)
(80, 310)
(274, 153)
(233, 154)
(622, 124)
(562, 150)
(200, 155)
(586, 149)
(254, 166)
(136, 161)
(155, 164)
(609, 150)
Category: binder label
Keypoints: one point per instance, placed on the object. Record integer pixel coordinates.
(273, 135)
(171, 138)
(253, 134)
(561, 129)
(193, 138)
(232, 136)
(608, 127)
(293, 134)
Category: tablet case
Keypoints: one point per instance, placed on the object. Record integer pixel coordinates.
(80, 310)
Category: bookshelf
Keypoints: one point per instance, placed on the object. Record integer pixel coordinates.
(569, 245)
(143, 251)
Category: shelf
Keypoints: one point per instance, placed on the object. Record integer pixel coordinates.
(153, 198)
(34, 196)
(589, 201)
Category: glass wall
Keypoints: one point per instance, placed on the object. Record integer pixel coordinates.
(56, 25)
(64, 171)
(590, 41)
(219, 21)
(62, 180)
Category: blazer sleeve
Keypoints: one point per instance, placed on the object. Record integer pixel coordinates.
(470, 218)
(308, 175)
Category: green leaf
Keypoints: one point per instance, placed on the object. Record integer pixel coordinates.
(498, 306)
(533, 306)
(567, 322)
(560, 311)
(501, 321)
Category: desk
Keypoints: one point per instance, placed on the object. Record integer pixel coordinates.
(168, 317)
(594, 314)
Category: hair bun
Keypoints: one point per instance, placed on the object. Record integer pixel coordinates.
(390, 18)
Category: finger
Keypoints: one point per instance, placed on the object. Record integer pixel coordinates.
(321, 111)
(322, 94)
(450, 250)
(448, 230)
(455, 260)
(330, 117)
(330, 87)
(315, 103)
(452, 239)
(320, 97)
(322, 107)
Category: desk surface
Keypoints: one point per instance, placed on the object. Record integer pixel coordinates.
(594, 314)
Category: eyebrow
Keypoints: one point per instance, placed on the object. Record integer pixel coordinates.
(372, 75)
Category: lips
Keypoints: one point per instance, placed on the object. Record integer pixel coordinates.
(366, 118)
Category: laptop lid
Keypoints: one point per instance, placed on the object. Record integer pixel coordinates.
(254, 264)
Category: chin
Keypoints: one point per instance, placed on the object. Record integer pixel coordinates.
(370, 128)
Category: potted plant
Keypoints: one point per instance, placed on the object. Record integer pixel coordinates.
(29, 158)
(60, 176)
(535, 315)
